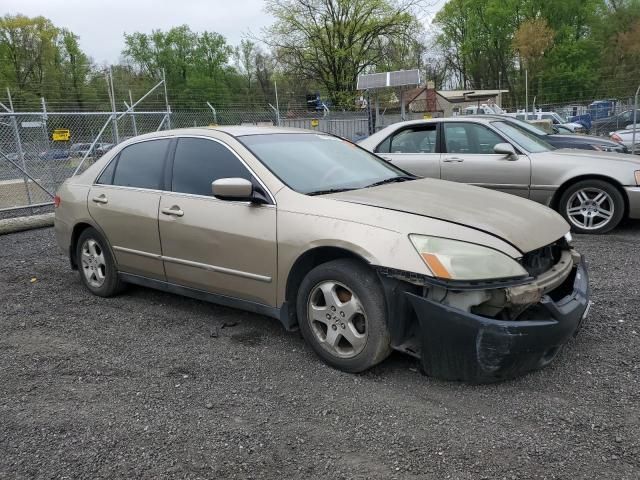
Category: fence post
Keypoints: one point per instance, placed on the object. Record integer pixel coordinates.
(134, 125)
(112, 94)
(635, 122)
(45, 130)
(16, 132)
(275, 83)
(166, 100)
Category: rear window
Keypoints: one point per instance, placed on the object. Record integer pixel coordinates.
(141, 165)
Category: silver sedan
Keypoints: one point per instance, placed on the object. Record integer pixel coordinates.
(593, 191)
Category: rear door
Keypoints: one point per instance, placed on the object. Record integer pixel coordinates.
(469, 158)
(224, 247)
(124, 203)
(414, 149)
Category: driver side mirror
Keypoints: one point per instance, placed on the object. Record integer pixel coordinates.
(506, 149)
(238, 189)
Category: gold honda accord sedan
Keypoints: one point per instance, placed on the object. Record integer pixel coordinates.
(324, 236)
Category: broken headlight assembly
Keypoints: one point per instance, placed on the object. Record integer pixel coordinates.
(456, 260)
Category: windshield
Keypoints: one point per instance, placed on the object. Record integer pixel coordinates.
(315, 163)
(527, 126)
(522, 137)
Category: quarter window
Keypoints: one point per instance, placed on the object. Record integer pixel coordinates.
(106, 178)
(141, 165)
(199, 162)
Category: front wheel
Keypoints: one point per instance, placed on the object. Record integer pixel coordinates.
(342, 315)
(592, 206)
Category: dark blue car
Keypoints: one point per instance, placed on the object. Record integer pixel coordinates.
(54, 154)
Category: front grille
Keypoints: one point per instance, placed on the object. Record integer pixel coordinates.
(540, 260)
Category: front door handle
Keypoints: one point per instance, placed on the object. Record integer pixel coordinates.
(102, 198)
(388, 159)
(175, 211)
(453, 160)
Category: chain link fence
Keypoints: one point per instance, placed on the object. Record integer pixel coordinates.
(40, 150)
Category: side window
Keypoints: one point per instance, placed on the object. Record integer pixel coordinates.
(199, 162)
(414, 140)
(470, 138)
(141, 165)
(106, 178)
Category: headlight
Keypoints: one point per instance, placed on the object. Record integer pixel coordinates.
(456, 260)
(637, 175)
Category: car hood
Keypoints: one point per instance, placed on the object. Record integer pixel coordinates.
(522, 223)
(585, 139)
(598, 156)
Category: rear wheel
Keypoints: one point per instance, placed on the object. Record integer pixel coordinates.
(342, 315)
(97, 268)
(592, 206)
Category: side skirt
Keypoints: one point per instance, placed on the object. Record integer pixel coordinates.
(224, 300)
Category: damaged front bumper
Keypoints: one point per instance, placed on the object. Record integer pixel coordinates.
(457, 345)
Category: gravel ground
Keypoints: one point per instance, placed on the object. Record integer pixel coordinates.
(152, 385)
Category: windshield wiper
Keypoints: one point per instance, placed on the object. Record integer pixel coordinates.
(330, 190)
(404, 178)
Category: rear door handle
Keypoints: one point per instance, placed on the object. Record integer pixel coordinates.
(175, 211)
(453, 160)
(102, 198)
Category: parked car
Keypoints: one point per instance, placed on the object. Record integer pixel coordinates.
(564, 140)
(79, 149)
(625, 137)
(310, 229)
(554, 117)
(592, 190)
(102, 148)
(54, 154)
(604, 126)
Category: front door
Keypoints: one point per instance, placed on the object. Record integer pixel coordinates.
(219, 246)
(124, 203)
(414, 149)
(469, 158)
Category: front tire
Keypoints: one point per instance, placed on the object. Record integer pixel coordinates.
(96, 265)
(342, 315)
(592, 206)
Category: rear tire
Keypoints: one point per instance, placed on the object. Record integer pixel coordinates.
(342, 315)
(96, 265)
(592, 206)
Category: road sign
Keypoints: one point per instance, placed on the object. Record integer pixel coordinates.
(61, 135)
(31, 124)
(315, 122)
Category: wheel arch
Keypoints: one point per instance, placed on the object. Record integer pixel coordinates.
(78, 228)
(306, 262)
(555, 200)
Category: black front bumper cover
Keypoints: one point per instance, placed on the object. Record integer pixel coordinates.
(457, 345)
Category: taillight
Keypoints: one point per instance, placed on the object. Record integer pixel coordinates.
(56, 201)
(616, 138)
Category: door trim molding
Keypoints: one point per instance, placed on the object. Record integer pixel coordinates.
(190, 263)
(140, 253)
(215, 268)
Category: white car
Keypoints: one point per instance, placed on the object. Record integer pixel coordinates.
(625, 137)
(555, 118)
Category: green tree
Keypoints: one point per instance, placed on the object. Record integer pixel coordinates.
(333, 41)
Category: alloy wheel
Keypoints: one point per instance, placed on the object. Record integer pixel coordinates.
(337, 318)
(94, 265)
(590, 208)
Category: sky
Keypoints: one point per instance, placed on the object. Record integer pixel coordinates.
(101, 24)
